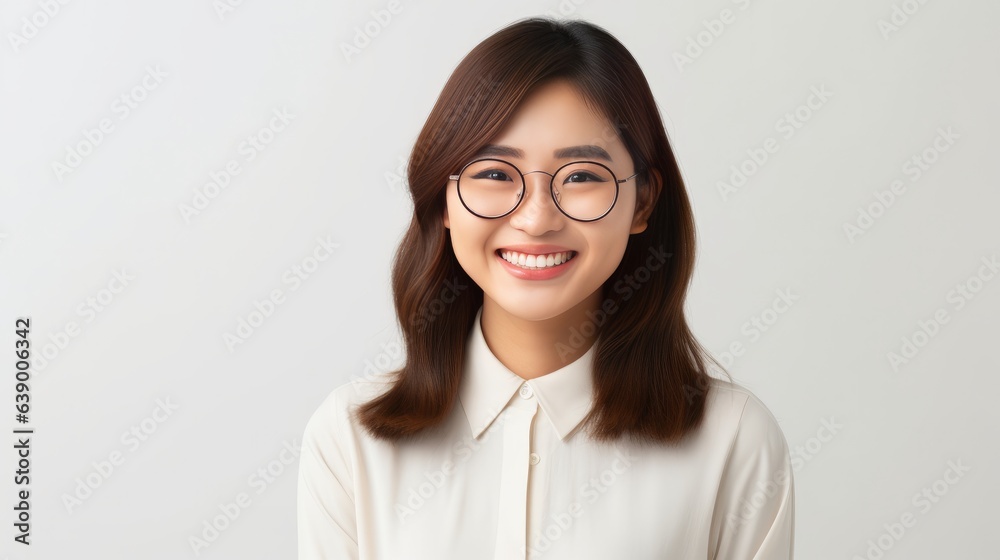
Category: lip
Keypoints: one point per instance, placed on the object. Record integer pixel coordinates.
(547, 273)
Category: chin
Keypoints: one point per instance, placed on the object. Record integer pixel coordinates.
(538, 307)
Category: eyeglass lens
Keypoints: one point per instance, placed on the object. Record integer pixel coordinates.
(583, 190)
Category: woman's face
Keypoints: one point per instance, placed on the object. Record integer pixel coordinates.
(551, 119)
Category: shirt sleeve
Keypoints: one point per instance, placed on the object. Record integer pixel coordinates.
(327, 524)
(754, 517)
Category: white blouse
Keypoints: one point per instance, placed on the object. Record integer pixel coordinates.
(508, 476)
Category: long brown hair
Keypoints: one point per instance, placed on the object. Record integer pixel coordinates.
(650, 376)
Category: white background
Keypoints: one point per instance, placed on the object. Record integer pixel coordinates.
(328, 175)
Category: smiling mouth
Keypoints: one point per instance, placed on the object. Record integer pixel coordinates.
(536, 262)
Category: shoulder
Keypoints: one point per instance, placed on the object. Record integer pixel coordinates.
(333, 421)
(754, 508)
(752, 426)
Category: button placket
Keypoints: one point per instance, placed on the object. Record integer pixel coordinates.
(513, 511)
(527, 393)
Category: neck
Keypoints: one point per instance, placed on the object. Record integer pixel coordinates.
(532, 349)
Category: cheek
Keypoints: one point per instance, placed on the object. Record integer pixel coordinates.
(619, 221)
(468, 235)
(625, 206)
(614, 237)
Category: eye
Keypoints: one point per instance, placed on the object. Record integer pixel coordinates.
(581, 177)
(492, 175)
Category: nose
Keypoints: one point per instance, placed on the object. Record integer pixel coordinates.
(537, 213)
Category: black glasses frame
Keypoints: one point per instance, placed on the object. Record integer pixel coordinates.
(552, 190)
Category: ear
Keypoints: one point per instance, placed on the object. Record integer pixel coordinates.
(645, 201)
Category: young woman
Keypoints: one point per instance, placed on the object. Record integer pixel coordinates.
(553, 402)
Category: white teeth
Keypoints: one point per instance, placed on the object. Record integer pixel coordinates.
(537, 261)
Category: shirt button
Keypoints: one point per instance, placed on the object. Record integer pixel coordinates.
(533, 459)
(526, 391)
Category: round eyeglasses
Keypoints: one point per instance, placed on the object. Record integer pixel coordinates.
(582, 190)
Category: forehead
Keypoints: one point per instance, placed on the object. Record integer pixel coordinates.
(556, 115)
(583, 151)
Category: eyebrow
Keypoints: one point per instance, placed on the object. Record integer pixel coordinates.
(585, 151)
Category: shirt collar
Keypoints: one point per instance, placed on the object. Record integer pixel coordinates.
(565, 395)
